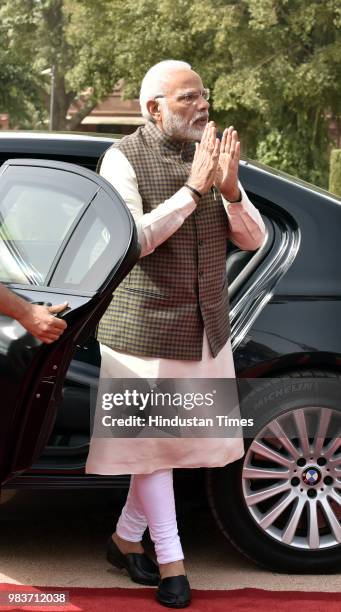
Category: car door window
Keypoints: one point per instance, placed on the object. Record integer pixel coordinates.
(38, 209)
(94, 246)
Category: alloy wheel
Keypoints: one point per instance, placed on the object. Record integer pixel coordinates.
(291, 479)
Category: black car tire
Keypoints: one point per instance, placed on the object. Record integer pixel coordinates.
(230, 509)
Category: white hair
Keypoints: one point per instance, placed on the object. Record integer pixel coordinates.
(154, 82)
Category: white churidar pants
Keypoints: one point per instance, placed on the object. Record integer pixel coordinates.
(152, 496)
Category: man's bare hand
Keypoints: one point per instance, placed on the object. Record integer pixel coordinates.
(205, 160)
(227, 172)
(41, 322)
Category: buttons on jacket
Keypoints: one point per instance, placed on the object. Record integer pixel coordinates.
(200, 242)
(200, 273)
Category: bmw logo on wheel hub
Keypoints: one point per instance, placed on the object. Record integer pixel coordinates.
(311, 476)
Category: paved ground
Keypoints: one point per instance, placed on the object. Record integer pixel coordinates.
(58, 539)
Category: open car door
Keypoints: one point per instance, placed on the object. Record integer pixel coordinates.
(65, 235)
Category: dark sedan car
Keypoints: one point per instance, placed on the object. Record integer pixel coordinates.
(65, 234)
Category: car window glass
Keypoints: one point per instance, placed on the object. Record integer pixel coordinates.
(38, 206)
(96, 240)
(96, 247)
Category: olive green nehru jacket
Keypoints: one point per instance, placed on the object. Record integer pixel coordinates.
(161, 307)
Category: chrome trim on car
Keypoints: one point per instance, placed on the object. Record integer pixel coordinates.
(260, 292)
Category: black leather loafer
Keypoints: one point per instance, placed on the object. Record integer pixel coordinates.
(139, 566)
(174, 592)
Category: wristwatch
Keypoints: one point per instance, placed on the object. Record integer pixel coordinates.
(195, 191)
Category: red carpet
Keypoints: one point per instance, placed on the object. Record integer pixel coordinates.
(142, 600)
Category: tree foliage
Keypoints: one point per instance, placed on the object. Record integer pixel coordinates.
(46, 33)
(18, 89)
(335, 172)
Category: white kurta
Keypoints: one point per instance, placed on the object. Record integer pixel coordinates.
(145, 455)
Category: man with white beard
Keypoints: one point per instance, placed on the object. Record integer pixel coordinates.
(170, 317)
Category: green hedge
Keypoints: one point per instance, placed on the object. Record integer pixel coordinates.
(335, 172)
